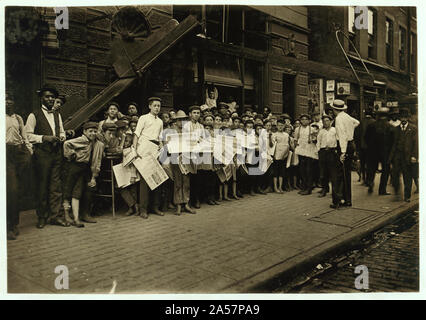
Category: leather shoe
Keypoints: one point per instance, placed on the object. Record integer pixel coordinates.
(305, 193)
(211, 203)
(322, 194)
(77, 224)
(88, 219)
(15, 231)
(158, 212)
(335, 206)
(144, 215)
(41, 223)
(59, 222)
(347, 204)
(11, 235)
(129, 212)
(384, 194)
(186, 208)
(407, 200)
(197, 205)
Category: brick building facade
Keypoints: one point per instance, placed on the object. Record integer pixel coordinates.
(259, 56)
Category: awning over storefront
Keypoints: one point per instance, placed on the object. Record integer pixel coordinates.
(222, 70)
(135, 58)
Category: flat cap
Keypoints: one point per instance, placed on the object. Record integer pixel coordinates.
(113, 103)
(304, 115)
(120, 124)
(109, 126)
(150, 99)
(62, 97)
(327, 116)
(192, 108)
(132, 104)
(90, 125)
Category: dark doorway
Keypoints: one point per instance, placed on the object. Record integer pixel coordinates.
(353, 108)
(289, 92)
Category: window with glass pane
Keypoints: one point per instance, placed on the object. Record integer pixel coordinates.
(214, 22)
(372, 45)
(389, 41)
(351, 19)
(413, 52)
(351, 28)
(402, 47)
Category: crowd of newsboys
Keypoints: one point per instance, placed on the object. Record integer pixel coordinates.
(312, 151)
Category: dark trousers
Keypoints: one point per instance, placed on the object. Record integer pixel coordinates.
(306, 166)
(17, 163)
(166, 198)
(196, 186)
(209, 184)
(372, 165)
(130, 195)
(363, 164)
(316, 173)
(333, 168)
(47, 167)
(76, 179)
(149, 199)
(400, 166)
(345, 180)
(324, 168)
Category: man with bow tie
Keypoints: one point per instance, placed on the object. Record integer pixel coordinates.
(45, 131)
(404, 154)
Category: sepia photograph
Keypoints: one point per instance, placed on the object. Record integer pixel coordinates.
(211, 149)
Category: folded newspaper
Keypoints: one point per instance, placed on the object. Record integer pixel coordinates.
(151, 170)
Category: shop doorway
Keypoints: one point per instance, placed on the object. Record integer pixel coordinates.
(289, 92)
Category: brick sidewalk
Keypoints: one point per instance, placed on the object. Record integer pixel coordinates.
(222, 248)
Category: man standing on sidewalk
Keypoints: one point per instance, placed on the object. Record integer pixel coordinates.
(326, 145)
(45, 131)
(404, 154)
(147, 141)
(307, 151)
(330, 165)
(196, 129)
(18, 158)
(361, 144)
(379, 140)
(345, 127)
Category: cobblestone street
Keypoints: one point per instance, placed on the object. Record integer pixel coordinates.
(393, 265)
(226, 248)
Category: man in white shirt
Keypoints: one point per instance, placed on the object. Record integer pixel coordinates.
(345, 127)
(329, 160)
(146, 141)
(45, 131)
(307, 152)
(196, 129)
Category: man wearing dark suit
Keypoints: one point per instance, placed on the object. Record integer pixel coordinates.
(45, 131)
(361, 143)
(379, 141)
(404, 154)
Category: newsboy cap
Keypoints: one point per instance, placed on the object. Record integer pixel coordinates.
(90, 125)
(120, 124)
(109, 126)
(192, 108)
(150, 99)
